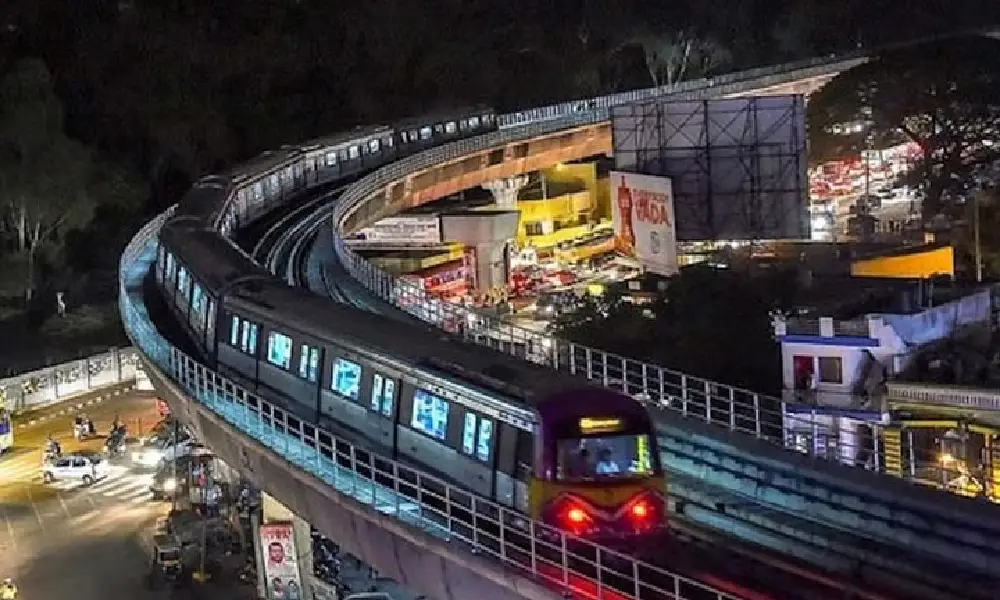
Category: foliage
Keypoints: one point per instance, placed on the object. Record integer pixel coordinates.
(707, 322)
(944, 96)
(38, 210)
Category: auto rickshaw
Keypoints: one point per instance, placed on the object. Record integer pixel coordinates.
(165, 563)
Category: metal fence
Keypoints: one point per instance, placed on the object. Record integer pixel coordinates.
(486, 528)
(50, 385)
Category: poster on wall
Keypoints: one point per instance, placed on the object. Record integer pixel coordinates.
(281, 565)
(643, 216)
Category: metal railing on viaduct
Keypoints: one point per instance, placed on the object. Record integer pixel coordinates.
(445, 545)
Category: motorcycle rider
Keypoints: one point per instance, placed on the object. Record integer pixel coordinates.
(8, 590)
(52, 448)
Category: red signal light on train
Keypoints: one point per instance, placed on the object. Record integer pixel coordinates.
(576, 515)
(640, 510)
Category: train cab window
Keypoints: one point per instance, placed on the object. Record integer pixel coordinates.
(383, 394)
(425, 132)
(248, 337)
(469, 434)
(346, 378)
(430, 414)
(353, 152)
(309, 363)
(373, 146)
(331, 159)
(450, 127)
(484, 443)
(609, 456)
(279, 350)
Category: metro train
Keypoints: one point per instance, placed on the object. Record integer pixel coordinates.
(539, 441)
(577, 457)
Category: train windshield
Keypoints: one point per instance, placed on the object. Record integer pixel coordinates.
(606, 457)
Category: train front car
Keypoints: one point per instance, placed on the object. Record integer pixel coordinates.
(598, 474)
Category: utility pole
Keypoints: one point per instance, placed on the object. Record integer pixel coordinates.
(177, 484)
(976, 238)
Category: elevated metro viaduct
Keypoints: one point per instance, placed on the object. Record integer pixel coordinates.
(439, 568)
(782, 481)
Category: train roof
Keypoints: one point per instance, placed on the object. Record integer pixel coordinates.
(445, 114)
(590, 401)
(424, 347)
(205, 197)
(339, 139)
(212, 259)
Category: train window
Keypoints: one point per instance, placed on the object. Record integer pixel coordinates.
(388, 142)
(383, 394)
(198, 306)
(473, 121)
(258, 191)
(469, 433)
(171, 266)
(373, 145)
(425, 132)
(485, 439)
(279, 350)
(450, 127)
(353, 152)
(342, 154)
(182, 278)
(430, 414)
(309, 362)
(234, 332)
(346, 378)
(438, 128)
(331, 159)
(248, 339)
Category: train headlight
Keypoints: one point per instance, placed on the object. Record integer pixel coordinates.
(169, 485)
(947, 458)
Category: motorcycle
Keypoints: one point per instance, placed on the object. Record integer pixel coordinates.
(115, 444)
(83, 428)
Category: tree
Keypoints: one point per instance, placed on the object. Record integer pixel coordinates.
(674, 57)
(709, 323)
(943, 96)
(43, 173)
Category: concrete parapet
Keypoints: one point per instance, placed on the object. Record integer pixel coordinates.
(439, 569)
(940, 525)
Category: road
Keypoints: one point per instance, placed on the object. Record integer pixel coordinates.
(66, 540)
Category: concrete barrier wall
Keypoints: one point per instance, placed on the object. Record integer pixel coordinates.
(38, 389)
(950, 528)
(417, 560)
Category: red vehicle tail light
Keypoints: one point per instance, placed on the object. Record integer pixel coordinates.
(576, 516)
(640, 510)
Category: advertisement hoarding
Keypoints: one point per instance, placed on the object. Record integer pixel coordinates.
(281, 565)
(416, 230)
(737, 166)
(643, 218)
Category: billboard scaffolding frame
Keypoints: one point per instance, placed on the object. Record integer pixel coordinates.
(738, 165)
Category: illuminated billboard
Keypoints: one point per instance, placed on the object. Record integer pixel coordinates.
(643, 218)
(424, 230)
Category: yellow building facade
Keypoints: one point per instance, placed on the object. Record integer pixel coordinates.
(551, 215)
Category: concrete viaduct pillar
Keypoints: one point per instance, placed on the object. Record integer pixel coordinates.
(505, 190)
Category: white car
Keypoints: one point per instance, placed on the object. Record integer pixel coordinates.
(158, 448)
(75, 467)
